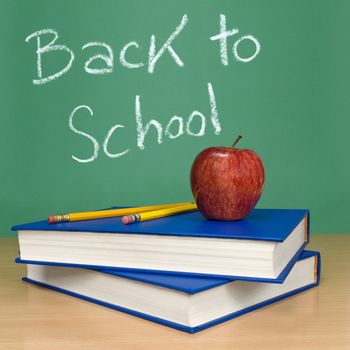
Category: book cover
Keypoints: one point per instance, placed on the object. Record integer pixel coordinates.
(280, 279)
(261, 227)
(261, 224)
(188, 285)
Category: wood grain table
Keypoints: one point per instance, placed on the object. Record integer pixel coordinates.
(36, 318)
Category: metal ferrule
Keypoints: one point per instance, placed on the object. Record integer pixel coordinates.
(62, 218)
(135, 217)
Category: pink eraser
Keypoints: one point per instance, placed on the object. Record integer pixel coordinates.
(126, 219)
(51, 219)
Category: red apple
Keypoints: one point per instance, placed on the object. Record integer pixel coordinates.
(227, 182)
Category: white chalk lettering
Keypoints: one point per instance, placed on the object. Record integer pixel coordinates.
(176, 127)
(180, 129)
(222, 37)
(49, 48)
(190, 119)
(248, 59)
(123, 60)
(106, 141)
(141, 130)
(214, 111)
(79, 132)
(107, 59)
(154, 57)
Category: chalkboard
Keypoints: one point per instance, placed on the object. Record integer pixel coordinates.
(108, 102)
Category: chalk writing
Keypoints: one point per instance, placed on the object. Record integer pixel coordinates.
(142, 128)
(222, 37)
(102, 63)
(108, 59)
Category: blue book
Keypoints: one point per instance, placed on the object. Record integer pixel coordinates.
(189, 304)
(262, 247)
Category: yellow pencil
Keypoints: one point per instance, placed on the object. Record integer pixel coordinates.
(155, 214)
(89, 215)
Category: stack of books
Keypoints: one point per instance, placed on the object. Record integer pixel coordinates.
(182, 271)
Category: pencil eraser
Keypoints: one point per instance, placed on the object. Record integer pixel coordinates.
(126, 219)
(51, 219)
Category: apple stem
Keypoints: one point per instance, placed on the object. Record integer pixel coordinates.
(238, 138)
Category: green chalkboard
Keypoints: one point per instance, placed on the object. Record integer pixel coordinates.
(81, 81)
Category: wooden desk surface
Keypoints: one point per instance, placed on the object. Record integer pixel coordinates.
(35, 318)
